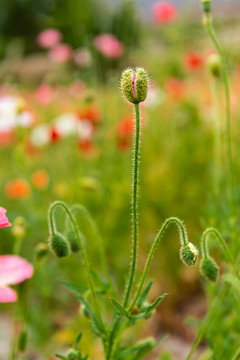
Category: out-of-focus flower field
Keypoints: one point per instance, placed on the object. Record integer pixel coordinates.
(66, 133)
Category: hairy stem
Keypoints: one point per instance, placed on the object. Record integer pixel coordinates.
(155, 243)
(134, 206)
(83, 252)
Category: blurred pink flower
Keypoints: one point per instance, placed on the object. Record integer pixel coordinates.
(164, 12)
(60, 53)
(109, 46)
(49, 38)
(44, 94)
(3, 219)
(13, 270)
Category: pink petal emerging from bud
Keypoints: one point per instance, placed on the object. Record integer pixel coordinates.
(3, 219)
(14, 269)
(7, 295)
(134, 85)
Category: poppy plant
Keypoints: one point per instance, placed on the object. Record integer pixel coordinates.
(13, 270)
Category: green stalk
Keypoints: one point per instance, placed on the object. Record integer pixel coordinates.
(134, 206)
(217, 139)
(208, 24)
(98, 238)
(155, 243)
(83, 252)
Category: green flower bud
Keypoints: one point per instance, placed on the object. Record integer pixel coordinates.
(22, 341)
(209, 269)
(134, 85)
(206, 5)
(189, 254)
(59, 245)
(72, 238)
(215, 65)
(73, 354)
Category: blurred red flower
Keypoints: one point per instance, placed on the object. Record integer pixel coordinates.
(40, 179)
(44, 94)
(193, 61)
(175, 87)
(17, 189)
(164, 12)
(49, 38)
(60, 53)
(109, 46)
(91, 113)
(124, 132)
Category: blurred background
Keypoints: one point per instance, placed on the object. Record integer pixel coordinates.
(66, 132)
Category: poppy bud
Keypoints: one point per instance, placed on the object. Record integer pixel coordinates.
(189, 254)
(59, 245)
(206, 5)
(73, 354)
(214, 65)
(71, 236)
(209, 269)
(134, 85)
(22, 341)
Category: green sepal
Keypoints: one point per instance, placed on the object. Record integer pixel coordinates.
(153, 306)
(144, 294)
(120, 309)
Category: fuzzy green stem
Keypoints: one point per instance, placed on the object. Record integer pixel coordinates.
(83, 251)
(134, 206)
(85, 212)
(183, 241)
(208, 24)
(223, 244)
(207, 321)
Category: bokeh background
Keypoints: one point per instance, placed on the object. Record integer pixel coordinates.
(65, 133)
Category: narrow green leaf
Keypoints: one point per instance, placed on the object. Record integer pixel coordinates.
(234, 282)
(60, 357)
(144, 294)
(78, 340)
(101, 285)
(120, 309)
(150, 308)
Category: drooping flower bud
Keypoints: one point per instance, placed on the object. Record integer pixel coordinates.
(22, 341)
(134, 85)
(214, 65)
(209, 269)
(189, 254)
(73, 354)
(71, 236)
(59, 245)
(206, 6)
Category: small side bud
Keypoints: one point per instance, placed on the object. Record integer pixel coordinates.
(73, 354)
(71, 236)
(206, 6)
(209, 269)
(134, 85)
(41, 251)
(214, 65)
(189, 254)
(59, 245)
(18, 227)
(84, 312)
(22, 341)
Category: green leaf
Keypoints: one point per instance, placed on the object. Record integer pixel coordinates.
(144, 294)
(102, 287)
(120, 309)
(150, 308)
(80, 298)
(60, 357)
(78, 340)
